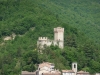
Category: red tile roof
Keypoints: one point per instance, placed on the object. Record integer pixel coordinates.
(28, 73)
(82, 72)
(47, 64)
(56, 73)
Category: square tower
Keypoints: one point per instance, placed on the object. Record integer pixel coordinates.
(59, 34)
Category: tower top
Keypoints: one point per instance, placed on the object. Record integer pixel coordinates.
(74, 63)
(59, 29)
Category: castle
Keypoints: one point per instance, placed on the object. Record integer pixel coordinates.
(58, 39)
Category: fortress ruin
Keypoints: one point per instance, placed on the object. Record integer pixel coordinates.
(58, 39)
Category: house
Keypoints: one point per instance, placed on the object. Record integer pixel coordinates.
(97, 74)
(71, 72)
(74, 71)
(83, 73)
(47, 68)
(68, 72)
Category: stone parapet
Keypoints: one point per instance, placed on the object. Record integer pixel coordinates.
(42, 38)
(58, 29)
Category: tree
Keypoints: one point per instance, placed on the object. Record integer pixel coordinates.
(70, 41)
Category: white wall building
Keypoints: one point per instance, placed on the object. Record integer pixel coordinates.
(97, 74)
(74, 71)
(46, 68)
(58, 39)
(68, 72)
(83, 73)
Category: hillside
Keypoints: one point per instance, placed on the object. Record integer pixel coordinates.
(81, 14)
(30, 19)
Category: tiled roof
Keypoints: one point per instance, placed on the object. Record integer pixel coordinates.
(68, 71)
(82, 72)
(27, 73)
(45, 64)
(50, 73)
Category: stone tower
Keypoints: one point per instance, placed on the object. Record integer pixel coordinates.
(74, 67)
(58, 39)
(59, 36)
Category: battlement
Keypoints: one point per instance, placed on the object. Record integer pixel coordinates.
(58, 39)
(43, 38)
(59, 29)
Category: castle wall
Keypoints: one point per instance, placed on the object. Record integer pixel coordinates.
(58, 39)
(61, 44)
(47, 43)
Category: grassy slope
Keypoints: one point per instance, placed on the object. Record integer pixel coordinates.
(81, 14)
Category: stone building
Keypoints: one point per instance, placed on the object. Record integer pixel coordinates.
(74, 71)
(97, 74)
(83, 73)
(58, 39)
(68, 72)
(47, 68)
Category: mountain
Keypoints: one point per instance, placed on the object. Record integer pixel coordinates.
(29, 19)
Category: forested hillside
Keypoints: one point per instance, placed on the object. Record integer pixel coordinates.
(29, 19)
(81, 14)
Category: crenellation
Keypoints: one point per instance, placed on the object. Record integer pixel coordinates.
(58, 29)
(58, 39)
(42, 38)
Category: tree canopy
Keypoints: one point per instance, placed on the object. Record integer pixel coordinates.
(30, 19)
